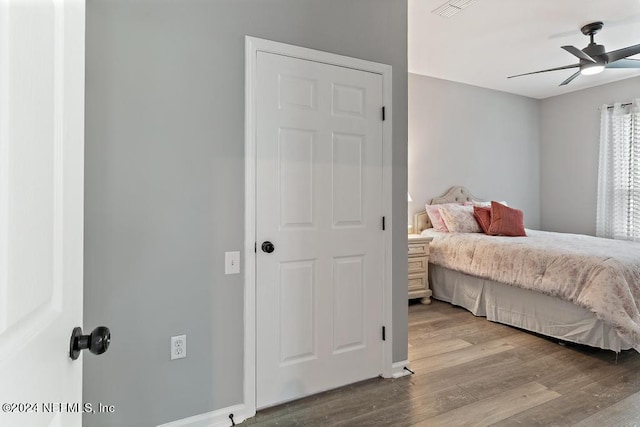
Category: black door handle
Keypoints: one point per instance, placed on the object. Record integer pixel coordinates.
(97, 341)
(268, 247)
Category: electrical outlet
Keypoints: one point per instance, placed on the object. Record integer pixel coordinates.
(178, 347)
(231, 262)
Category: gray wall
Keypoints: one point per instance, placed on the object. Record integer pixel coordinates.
(483, 139)
(165, 179)
(570, 138)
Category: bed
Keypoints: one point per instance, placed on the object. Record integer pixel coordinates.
(601, 311)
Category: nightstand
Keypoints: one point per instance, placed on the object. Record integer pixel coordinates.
(418, 263)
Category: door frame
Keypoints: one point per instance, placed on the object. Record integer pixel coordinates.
(254, 45)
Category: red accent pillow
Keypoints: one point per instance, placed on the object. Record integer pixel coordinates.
(483, 216)
(506, 221)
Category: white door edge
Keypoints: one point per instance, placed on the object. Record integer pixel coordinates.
(42, 77)
(254, 45)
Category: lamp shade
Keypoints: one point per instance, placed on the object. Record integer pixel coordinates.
(589, 70)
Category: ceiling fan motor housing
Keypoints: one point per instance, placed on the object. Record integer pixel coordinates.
(594, 51)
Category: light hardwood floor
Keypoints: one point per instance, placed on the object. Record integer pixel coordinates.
(471, 372)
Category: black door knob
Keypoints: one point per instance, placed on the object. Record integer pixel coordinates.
(97, 341)
(268, 247)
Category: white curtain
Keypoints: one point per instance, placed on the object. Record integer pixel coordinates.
(618, 209)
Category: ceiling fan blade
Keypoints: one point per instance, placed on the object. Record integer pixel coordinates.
(544, 71)
(624, 63)
(615, 55)
(578, 53)
(573, 76)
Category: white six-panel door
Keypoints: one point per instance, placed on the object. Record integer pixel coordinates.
(41, 205)
(319, 202)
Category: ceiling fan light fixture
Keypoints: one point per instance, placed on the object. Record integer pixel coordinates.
(593, 59)
(589, 70)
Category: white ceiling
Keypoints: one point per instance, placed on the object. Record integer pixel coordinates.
(492, 39)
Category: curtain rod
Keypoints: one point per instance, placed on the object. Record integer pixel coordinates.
(609, 107)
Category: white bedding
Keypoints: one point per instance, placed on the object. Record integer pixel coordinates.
(600, 275)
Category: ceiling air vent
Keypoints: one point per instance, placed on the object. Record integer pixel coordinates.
(452, 7)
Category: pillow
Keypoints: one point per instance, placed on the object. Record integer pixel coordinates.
(506, 221)
(486, 204)
(436, 218)
(483, 216)
(459, 219)
(482, 204)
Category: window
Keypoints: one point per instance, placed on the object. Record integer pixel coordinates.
(618, 208)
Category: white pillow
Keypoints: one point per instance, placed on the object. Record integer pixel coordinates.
(459, 219)
(486, 204)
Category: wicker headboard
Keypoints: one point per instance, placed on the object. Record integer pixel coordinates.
(455, 194)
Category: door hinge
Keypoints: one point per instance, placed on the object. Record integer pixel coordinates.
(384, 333)
(255, 247)
(383, 224)
(383, 114)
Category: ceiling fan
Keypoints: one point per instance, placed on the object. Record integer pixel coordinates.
(594, 58)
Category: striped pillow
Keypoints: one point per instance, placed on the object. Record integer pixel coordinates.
(506, 221)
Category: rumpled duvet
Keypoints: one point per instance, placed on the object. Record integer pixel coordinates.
(601, 275)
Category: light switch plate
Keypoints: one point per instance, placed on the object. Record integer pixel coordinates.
(232, 262)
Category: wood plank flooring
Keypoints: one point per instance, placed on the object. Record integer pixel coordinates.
(471, 372)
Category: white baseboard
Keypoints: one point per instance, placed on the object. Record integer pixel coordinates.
(397, 369)
(217, 418)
